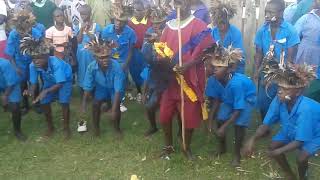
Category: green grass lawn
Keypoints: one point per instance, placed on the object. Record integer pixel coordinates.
(86, 157)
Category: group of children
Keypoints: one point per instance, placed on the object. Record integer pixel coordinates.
(144, 43)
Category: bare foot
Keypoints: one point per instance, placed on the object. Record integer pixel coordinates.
(188, 154)
(235, 163)
(150, 132)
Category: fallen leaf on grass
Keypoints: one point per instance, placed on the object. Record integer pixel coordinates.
(101, 159)
(134, 177)
(216, 163)
(34, 156)
(167, 170)
(144, 158)
(200, 157)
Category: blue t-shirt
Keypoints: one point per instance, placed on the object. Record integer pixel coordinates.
(13, 47)
(58, 71)
(233, 37)
(301, 124)
(8, 75)
(125, 41)
(239, 91)
(286, 32)
(112, 79)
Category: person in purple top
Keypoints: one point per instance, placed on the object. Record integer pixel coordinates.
(198, 9)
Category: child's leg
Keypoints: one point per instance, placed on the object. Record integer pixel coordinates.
(151, 114)
(188, 138)
(239, 133)
(221, 141)
(167, 129)
(302, 163)
(16, 120)
(66, 120)
(25, 101)
(151, 108)
(96, 111)
(282, 160)
(47, 112)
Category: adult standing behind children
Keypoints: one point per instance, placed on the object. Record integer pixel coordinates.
(308, 27)
(43, 10)
(195, 38)
(140, 23)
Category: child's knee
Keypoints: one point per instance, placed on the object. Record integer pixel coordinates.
(303, 157)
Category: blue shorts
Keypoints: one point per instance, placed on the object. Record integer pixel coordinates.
(225, 112)
(105, 94)
(63, 94)
(311, 147)
(15, 95)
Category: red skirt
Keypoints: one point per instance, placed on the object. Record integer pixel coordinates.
(170, 106)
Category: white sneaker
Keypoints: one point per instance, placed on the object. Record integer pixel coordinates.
(139, 97)
(123, 108)
(82, 126)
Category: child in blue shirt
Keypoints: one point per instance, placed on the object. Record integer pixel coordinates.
(151, 94)
(298, 116)
(57, 83)
(24, 26)
(105, 80)
(11, 95)
(124, 38)
(282, 36)
(232, 96)
(227, 34)
(89, 30)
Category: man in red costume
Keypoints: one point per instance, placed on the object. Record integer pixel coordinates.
(195, 38)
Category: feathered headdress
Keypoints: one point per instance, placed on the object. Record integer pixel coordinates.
(158, 15)
(121, 11)
(34, 47)
(99, 48)
(223, 11)
(225, 57)
(288, 76)
(23, 21)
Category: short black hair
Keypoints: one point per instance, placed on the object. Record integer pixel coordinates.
(57, 10)
(280, 3)
(87, 7)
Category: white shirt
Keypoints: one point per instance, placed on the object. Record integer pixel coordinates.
(3, 11)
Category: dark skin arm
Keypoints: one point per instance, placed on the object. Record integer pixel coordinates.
(182, 69)
(44, 92)
(212, 114)
(115, 111)
(221, 131)
(126, 64)
(258, 57)
(284, 149)
(292, 54)
(260, 133)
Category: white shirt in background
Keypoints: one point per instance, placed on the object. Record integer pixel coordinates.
(3, 11)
